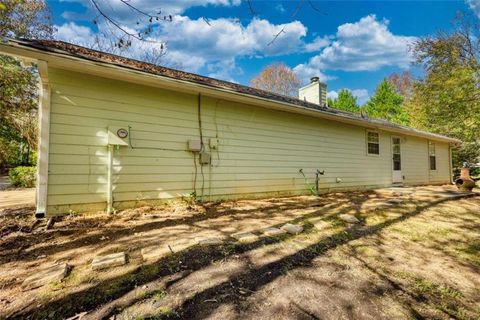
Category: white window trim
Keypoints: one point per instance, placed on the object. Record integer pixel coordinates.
(435, 154)
(366, 143)
(401, 154)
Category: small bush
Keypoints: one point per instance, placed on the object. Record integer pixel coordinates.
(33, 158)
(23, 176)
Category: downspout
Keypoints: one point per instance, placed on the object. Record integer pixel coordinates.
(44, 141)
(113, 141)
(450, 165)
(109, 180)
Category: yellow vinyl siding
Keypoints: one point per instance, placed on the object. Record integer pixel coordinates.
(442, 173)
(415, 166)
(414, 160)
(259, 153)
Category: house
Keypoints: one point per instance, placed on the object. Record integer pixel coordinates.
(117, 132)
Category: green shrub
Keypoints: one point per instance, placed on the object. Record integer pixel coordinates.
(23, 176)
(33, 158)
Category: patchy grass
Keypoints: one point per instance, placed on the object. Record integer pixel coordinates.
(405, 259)
(470, 253)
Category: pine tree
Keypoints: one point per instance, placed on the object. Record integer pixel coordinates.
(346, 101)
(386, 104)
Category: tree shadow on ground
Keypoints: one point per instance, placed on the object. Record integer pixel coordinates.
(200, 257)
(211, 211)
(256, 278)
(434, 298)
(193, 259)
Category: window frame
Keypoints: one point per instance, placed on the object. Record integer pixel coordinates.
(367, 142)
(393, 153)
(430, 144)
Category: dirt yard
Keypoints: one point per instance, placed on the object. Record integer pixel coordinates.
(414, 254)
(11, 197)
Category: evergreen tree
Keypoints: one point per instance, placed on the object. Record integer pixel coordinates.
(345, 101)
(386, 104)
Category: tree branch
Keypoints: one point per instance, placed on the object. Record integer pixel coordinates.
(297, 9)
(276, 36)
(116, 24)
(126, 2)
(250, 7)
(315, 8)
(137, 35)
(206, 21)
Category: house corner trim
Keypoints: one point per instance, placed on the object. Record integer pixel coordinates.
(44, 140)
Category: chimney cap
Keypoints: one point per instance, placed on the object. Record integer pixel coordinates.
(314, 79)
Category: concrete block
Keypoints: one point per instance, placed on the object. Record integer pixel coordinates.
(52, 274)
(348, 218)
(292, 228)
(210, 241)
(245, 237)
(274, 232)
(182, 245)
(319, 224)
(110, 260)
(155, 253)
(395, 201)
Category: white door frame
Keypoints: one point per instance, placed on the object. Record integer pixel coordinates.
(397, 176)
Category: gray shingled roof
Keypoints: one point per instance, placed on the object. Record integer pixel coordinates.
(69, 49)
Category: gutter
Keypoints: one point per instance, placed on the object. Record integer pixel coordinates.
(109, 179)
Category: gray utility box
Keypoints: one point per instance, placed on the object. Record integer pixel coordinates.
(205, 158)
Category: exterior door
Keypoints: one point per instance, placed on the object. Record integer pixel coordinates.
(396, 161)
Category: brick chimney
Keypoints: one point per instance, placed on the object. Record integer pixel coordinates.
(314, 92)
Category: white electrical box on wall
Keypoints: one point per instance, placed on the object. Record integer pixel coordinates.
(118, 136)
(194, 145)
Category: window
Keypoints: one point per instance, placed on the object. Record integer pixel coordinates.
(373, 143)
(431, 156)
(397, 158)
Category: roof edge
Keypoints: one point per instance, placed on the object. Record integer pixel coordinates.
(321, 112)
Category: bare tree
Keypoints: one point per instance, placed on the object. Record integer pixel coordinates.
(403, 83)
(146, 20)
(154, 55)
(277, 78)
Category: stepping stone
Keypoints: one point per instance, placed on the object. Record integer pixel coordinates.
(228, 230)
(182, 245)
(110, 260)
(395, 201)
(245, 237)
(348, 218)
(274, 232)
(155, 252)
(55, 273)
(292, 228)
(319, 224)
(210, 241)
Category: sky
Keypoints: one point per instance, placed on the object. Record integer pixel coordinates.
(348, 44)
